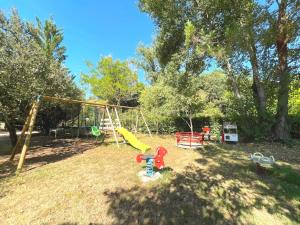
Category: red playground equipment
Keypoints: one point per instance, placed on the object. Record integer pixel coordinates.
(206, 131)
(189, 139)
(157, 159)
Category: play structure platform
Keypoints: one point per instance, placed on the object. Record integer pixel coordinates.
(192, 140)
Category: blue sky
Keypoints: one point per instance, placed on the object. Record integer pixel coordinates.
(91, 28)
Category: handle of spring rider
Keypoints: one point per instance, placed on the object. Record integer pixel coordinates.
(159, 158)
(139, 158)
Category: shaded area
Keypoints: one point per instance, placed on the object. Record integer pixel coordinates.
(223, 191)
(44, 150)
(70, 223)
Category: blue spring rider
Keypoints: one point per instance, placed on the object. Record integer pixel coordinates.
(157, 159)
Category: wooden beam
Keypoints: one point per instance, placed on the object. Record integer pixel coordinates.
(113, 127)
(20, 138)
(28, 137)
(66, 100)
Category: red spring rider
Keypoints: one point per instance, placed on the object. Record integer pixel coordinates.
(158, 159)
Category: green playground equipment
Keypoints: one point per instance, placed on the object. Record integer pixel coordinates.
(132, 140)
(96, 132)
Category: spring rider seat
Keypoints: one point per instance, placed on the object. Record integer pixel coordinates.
(151, 160)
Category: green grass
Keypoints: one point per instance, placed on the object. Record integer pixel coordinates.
(287, 174)
(79, 183)
(288, 180)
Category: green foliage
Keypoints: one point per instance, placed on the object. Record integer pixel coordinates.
(214, 84)
(294, 99)
(287, 174)
(189, 31)
(289, 180)
(147, 60)
(158, 102)
(198, 96)
(242, 37)
(112, 80)
(215, 127)
(26, 68)
(49, 37)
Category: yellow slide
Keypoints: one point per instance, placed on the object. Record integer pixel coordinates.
(132, 140)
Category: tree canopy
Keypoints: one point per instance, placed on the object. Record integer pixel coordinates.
(259, 39)
(112, 80)
(28, 68)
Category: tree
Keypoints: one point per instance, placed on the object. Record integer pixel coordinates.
(147, 61)
(287, 31)
(242, 36)
(180, 87)
(158, 102)
(294, 99)
(26, 72)
(215, 86)
(112, 80)
(49, 37)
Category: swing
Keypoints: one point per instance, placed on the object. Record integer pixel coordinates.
(96, 132)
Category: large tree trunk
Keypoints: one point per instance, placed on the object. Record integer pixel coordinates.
(232, 80)
(12, 132)
(281, 129)
(257, 87)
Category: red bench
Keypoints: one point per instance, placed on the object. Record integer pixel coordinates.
(189, 139)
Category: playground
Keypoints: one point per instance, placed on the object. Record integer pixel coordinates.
(150, 112)
(64, 182)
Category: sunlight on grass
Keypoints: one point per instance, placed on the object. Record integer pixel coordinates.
(214, 185)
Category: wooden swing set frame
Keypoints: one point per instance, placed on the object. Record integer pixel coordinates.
(31, 118)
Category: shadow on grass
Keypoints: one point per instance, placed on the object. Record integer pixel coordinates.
(70, 223)
(45, 150)
(220, 193)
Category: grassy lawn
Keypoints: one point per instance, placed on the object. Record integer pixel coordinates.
(71, 182)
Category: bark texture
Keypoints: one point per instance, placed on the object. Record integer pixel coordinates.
(12, 132)
(281, 129)
(257, 86)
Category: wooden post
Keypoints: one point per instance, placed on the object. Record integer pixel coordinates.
(113, 127)
(78, 123)
(136, 122)
(20, 138)
(102, 122)
(28, 137)
(146, 123)
(117, 115)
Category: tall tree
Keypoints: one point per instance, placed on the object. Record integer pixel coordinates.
(26, 71)
(287, 31)
(242, 36)
(112, 80)
(50, 38)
